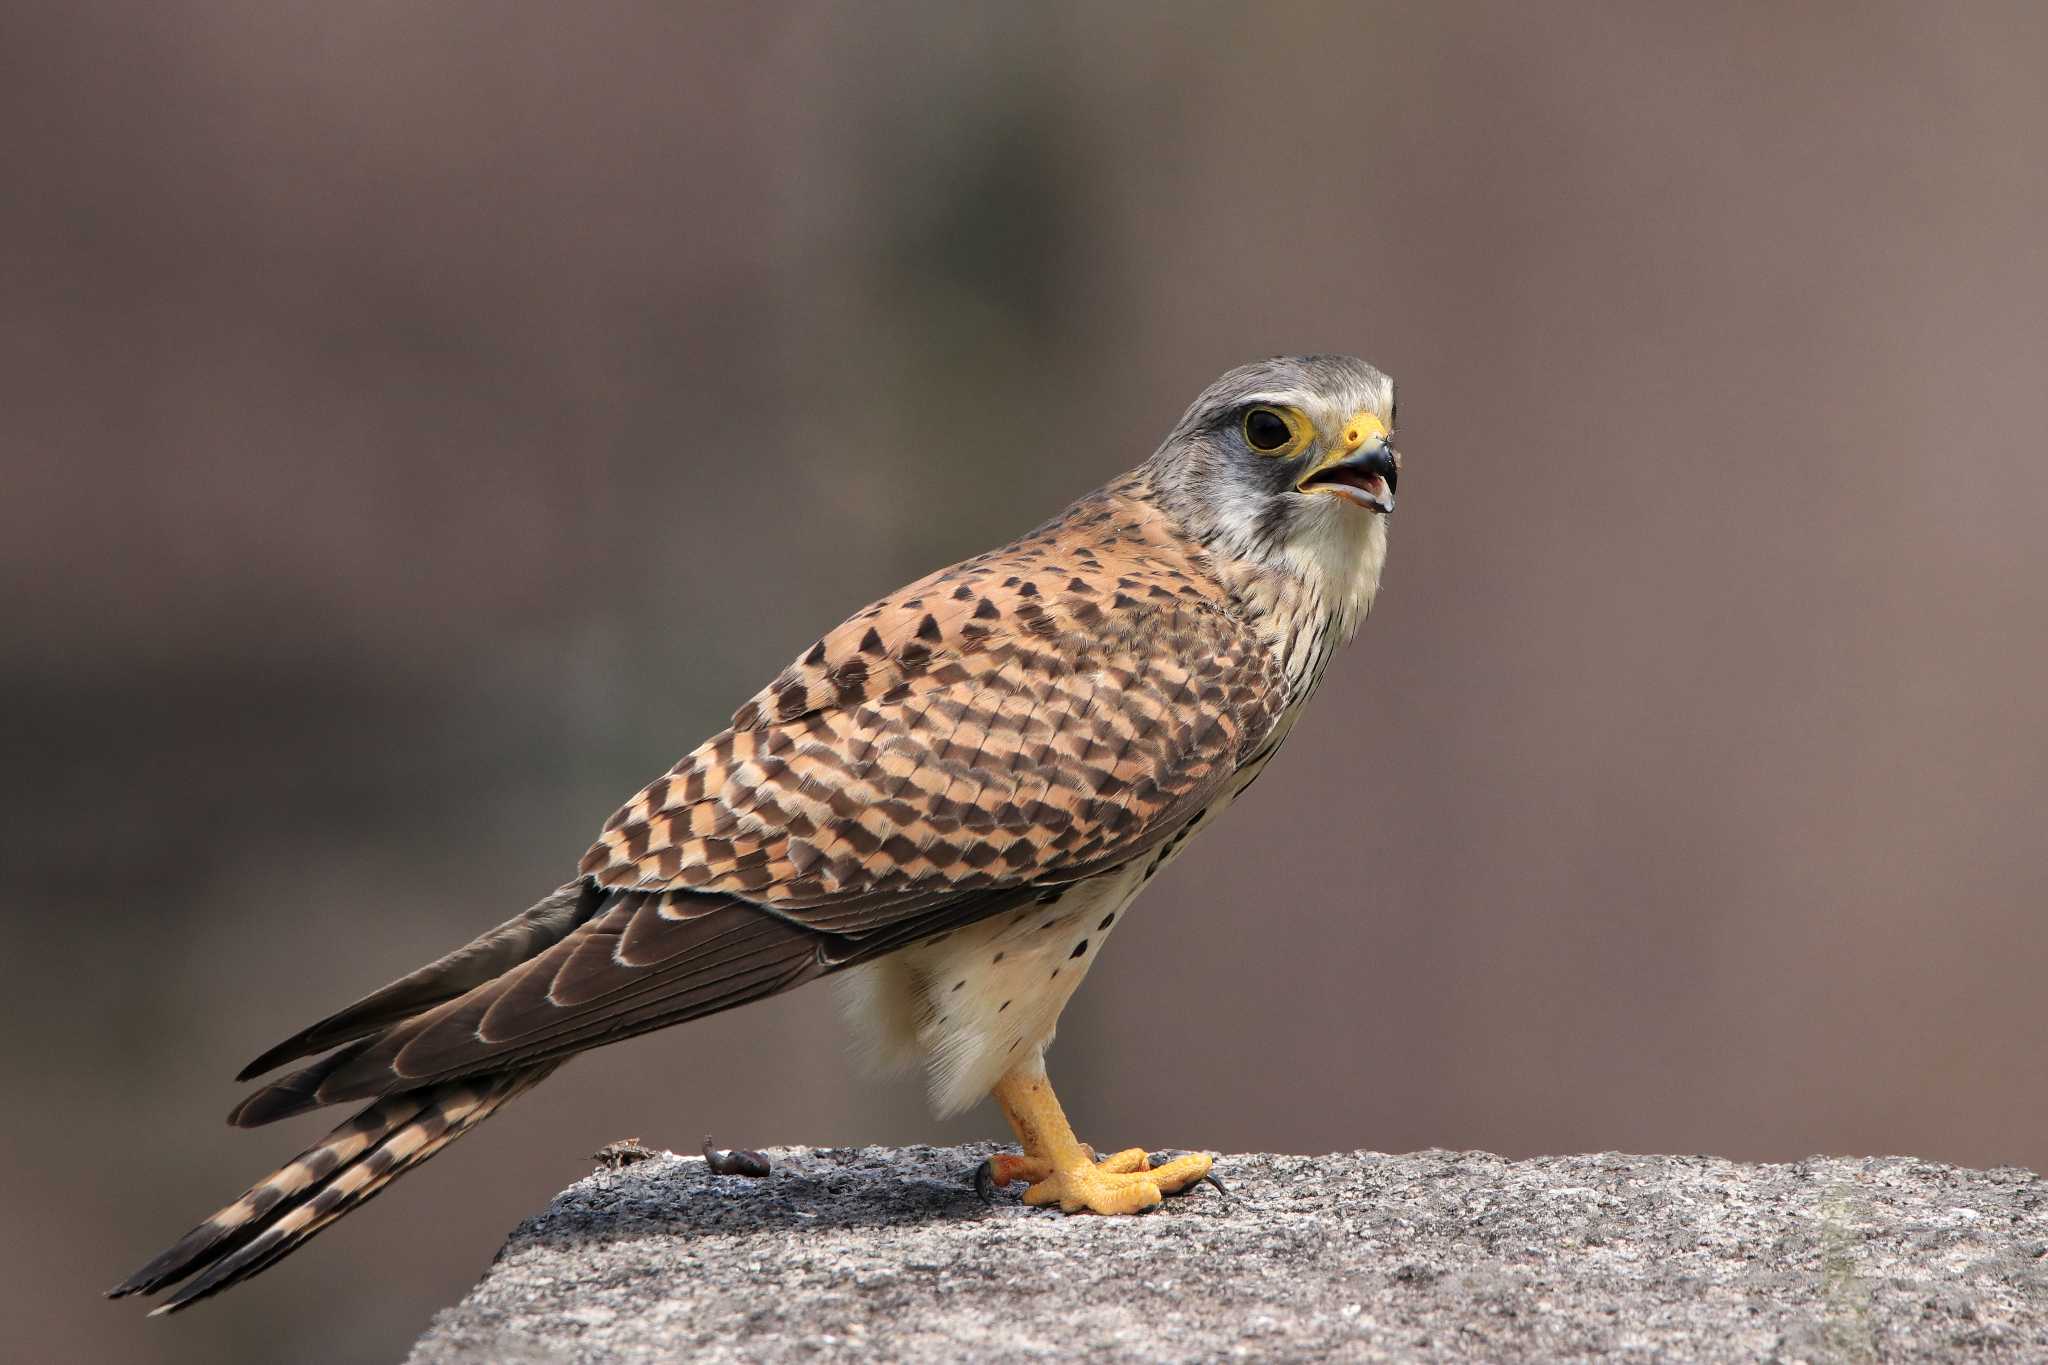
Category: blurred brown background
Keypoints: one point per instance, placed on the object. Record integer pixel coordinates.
(422, 424)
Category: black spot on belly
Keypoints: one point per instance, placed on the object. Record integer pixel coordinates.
(958, 984)
(1107, 920)
(997, 958)
(1000, 1008)
(1079, 948)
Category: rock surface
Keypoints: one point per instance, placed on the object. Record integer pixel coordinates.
(1437, 1256)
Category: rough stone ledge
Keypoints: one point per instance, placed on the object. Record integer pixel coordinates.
(1438, 1256)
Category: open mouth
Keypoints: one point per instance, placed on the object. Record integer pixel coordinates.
(1365, 479)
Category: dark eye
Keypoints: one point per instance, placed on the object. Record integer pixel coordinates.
(1266, 429)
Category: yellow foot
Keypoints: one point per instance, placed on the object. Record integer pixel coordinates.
(1063, 1169)
(1126, 1182)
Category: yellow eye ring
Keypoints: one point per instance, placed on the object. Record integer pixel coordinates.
(1271, 431)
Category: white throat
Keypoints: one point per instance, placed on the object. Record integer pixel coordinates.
(1313, 591)
(1341, 558)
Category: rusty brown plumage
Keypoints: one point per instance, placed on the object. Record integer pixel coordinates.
(1027, 717)
(1035, 712)
(1033, 730)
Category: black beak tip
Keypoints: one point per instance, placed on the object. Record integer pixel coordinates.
(1362, 470)
(1383, 464)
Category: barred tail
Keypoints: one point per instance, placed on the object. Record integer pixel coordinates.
(334, 1177)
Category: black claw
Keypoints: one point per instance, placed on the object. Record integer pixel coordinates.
(1208, 1179)
(985, 1181)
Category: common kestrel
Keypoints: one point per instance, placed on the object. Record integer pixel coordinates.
(949, 801)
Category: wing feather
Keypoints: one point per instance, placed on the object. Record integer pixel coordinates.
(1029, 717)
(479, 961)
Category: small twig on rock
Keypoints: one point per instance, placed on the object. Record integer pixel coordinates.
(751, 1164)
(624, 1152)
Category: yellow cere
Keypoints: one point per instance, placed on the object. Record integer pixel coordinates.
(1362, 428)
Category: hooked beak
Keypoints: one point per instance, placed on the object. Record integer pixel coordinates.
(1362, 470)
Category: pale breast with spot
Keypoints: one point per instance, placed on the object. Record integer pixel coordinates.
(993, 991)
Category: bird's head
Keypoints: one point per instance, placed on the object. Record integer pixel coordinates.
(1288, 464)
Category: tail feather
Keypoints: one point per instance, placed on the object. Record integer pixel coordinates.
(335, 1176)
